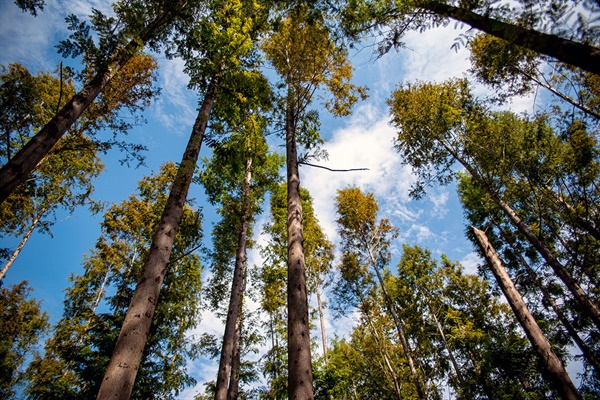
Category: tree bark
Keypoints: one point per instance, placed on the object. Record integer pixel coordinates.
(322, 322)
(300, 378)
(573, 53)
(548, 359)
(588, 307)
(24, 240)
(18, 168)
(237, 287)
(122, 368)
(234, 380)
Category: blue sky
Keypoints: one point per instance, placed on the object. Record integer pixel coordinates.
(363, 140)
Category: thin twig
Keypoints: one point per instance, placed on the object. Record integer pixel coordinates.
(333, 170)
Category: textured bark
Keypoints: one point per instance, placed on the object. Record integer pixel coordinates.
(234, 378)
(237, 292)
(18, 168)
(577, 54)
(300, 378)
(122, 368)
(548, 359)
(24, 240)
(587, 305)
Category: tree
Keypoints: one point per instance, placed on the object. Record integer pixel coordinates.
(553, 365)
(225, 38)
(366, 242)
(432, 141)
(305, 56)
(319, 255)
(22, 323)
(146, 23)
(79, 350)
(525, 29)
(63, 179)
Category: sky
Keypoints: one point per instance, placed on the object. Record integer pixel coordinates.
(362, 140)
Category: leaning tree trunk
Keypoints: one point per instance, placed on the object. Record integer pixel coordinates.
(237, 287)
(236, 362)
(548, 359)
(18, 168)
(587, 305)
(420, 385)
(22, 243)
(321, 321)
(577, 54)
(300, 379)
(124, 363)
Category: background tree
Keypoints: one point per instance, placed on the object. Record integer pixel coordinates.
(23, 323)
(79, 350)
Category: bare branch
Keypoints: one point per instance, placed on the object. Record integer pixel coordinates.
(333, 170)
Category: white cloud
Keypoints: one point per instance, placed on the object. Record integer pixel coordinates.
(470, 263)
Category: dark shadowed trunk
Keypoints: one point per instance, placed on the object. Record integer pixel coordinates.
(122, 368)
(237, 292)
(300, 378)
(587, 305)
(548, 359)
(577, 54)
(18, 168)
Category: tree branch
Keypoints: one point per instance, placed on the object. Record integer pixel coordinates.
(333, 170)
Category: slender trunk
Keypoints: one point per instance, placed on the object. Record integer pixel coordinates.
(385, 357)
(421, 390)
(583, 223)
(234, 380)
(459, 376)
(237, 287)
(322, 322)
(300, 378)
(584, 301)
(24, 240)
(587, 352)
(577, 54)
(124, 363)
(18, 168)
(551, 363)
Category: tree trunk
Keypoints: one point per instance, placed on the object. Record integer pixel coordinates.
(18, 168)
(122, 368)
(421, 390)
(322, 322)
(24, 240)
(577, 54)
(548, 359)
(234, 380)
(584, 301)
(237, 287)
(300, 379)
(588, 354)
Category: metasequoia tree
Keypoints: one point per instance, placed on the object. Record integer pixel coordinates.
(236, 179)
(367, 241)
(63, 179)
(432, 141)
(136, 25)
(272, 277)
(303, 53)
(214, 49)
(79, 349)
(522, 26)
(552, 364)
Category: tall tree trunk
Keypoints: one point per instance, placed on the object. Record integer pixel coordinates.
(300, 378)
(24, 240)
(588, 354)
(588, 307)
(577, 54)
(322, 322)
(237, 287)
(18, 168)
(236, 362)
(420, 385)
(122, 368)
(548, 359)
